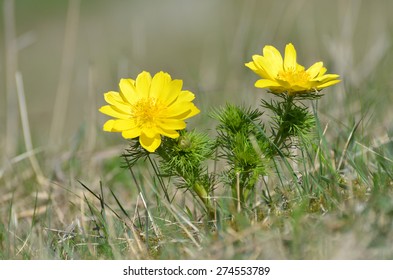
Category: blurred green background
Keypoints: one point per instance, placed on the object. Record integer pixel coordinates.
(70, 52)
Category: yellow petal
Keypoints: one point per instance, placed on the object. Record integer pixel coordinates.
(150, 144)
(328, 84)
(299, 68)
(111, 111)
(159, 84)
(178, 108)
(185, 95)
(315, 69)
(275, 58)
(121, 125)
(113, 95)
(142, 84)
(168, 133)
(300, 88)
(290, 57)
(189, 113)
(272, 53)
(322, 72)
(251, 65)
(256, 69)
(171, 124)
(108, 125)
(265, 68)
(194, 111)
(115, 99)
(172, 92)
(132, 133)
(150, 132)
(128, 91)
(264, 83)
(326, 78)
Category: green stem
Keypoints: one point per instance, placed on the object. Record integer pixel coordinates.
(204, 197)
(196, 187)
(278, 140)
(280, 137)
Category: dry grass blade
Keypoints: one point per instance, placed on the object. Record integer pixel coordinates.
(181, 219)
(63, 90)
(373, 152)
(239, 208)
(26, 129)
(156, 229)
(24, 245)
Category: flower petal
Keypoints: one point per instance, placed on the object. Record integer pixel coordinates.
(159, 84)
(131, 133)
(189, 113)
(179, 108)
(264, 83)
(251, 65)
(150, 144)
(328, 84)
(113, 96)
(194, 111)
(172, 92)
(275, 58)
(150, 131)
(315, 69)
(108, 125)
(168, 133)
(171, 124)
(121, 125)
(115, 99)
(299, 68)
(110, 110)
(265, 68)
(322, 71)
(128, 91)
(326, 78)
(142, 84)
(290, 57)
(257, 68)
(185, 96)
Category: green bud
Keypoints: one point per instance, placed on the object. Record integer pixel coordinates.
(184, 142)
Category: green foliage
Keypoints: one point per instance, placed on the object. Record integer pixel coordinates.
(289, 121)
(241, 142)
(237, 119)
(244, 146)
(184, 157)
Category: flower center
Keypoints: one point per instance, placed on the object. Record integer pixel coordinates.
(294, 76)
(146, 111)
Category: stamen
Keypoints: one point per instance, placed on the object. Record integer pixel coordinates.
(146, 111)
(293, 76)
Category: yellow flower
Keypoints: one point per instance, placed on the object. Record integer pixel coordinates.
(286, 75)
(148, 108)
